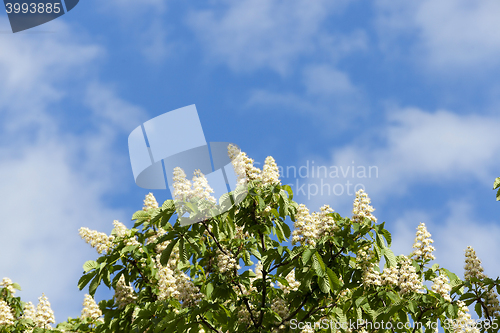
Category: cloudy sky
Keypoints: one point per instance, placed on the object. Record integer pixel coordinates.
(408, 90)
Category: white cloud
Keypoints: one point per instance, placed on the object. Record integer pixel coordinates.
(252, 34)
(451, 237)
(446, 35)
(326, 80)
(327, 94)
(412, 147)
(53, 181)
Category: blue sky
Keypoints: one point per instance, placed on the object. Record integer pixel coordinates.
(409, 87)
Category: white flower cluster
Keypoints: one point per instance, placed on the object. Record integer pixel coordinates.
(182, 186)
(441, 286)
(122, 232)
(243, 166)
(310, 227)
(160, 247)
(390, 276)
(225, 262)
(44, 314)
(6, 314)
(464, 323)
(270, 172)
(91, 309)
(244, 316)
(166, 280)
(201, 188)
(408, 278)
(29, 311)
(473, 268)
(370, 276)
(186, 191)
(239, 234)
(189, 294)
(281, 307)
(305, 227)
(308, 329)
(422, 244)
(97, 240)
(293, 284)
(150, 202)
(173, 283)
(362, 208)
(492, 303)
(124, 294)
(7, 284)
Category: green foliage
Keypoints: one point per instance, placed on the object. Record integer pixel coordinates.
(331, 286)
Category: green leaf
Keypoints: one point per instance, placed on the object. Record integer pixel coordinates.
(140, 215)
(90, 265)
(182, 252)
(479, 309)
(387, 236)
(334, 280)
(85, 279)
(165, 256)
(94, 284)
(390, 257)
(209, 289)
(16, 286)
(279, 231)
(324, 284)
(452, 277)
(318, 264)
(306, 256)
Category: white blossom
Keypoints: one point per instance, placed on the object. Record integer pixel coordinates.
(201, 188)
(492, 303)
(473, 268)
(370, 276)
(441, 286)
(124, 294)
(408, 278)
(325, 223)
(29, 311)
(309, 227)
(7, 284)
(98, 240)
(44, 314)
(225, 262)
(464, 323)
(390, 276)
(270, 172)
(243, 166)
(362, 208)
(91, 309)
(150, 202)
(181, 185)
(306, 227)
(281, 307)
(293, 284)
(422, 245)
(6, 314)
(122, 232)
